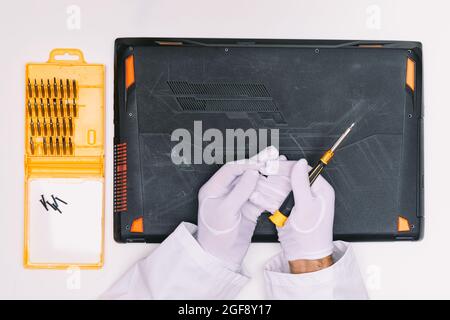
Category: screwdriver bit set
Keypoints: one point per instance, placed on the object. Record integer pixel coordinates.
(64, 146)
(52, 110)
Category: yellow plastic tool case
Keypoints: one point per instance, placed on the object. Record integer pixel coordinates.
(64, 162)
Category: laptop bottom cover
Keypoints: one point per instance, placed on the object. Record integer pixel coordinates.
(301, 95)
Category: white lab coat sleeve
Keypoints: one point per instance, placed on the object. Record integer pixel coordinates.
(342, 280)
(178, 269)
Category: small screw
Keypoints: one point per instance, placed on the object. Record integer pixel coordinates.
(316, 51)
(130, 114)
(54, 207)
(226, 49)
(410, 115)
(56, 198)
(42, 201)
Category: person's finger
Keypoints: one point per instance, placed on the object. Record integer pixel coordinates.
(223, 179)
(322, 187)
(270, 203)
(279, 180)
(228, 202)
(278, 167)
(251, 211)
(242, 190)
(269, 153)
(226, 176)
(278, 186)
(231, 170)
(300, 182)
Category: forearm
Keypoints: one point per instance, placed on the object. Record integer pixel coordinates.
(336, 277)
(306, 266)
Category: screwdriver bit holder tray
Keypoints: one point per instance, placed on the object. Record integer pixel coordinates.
(64, 129)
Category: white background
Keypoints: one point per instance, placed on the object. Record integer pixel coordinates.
(30, 29)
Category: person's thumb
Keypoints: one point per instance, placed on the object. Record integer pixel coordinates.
(300, 182)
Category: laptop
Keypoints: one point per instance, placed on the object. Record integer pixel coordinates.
(174, 98)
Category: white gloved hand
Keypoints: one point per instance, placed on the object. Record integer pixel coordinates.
(273, 185)
(226, 217)
(308, 232)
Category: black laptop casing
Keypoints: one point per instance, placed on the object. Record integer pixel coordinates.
(309, 90)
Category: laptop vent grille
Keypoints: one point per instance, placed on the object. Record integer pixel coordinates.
(219, 89)
(222, 97)
(120, 177)
(192, 104)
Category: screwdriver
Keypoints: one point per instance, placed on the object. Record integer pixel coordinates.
(280, 216)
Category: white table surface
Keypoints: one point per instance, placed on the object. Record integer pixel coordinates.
(30, 29)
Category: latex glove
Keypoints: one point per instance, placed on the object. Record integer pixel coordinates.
(226, 218)
(273, 185)
(308, 232)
